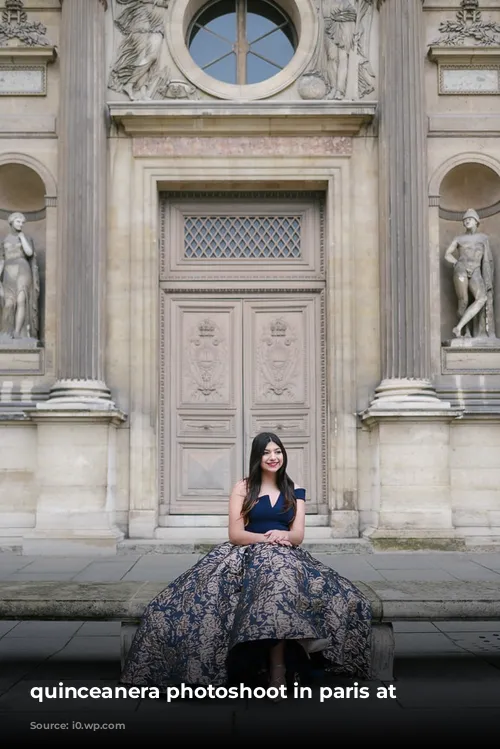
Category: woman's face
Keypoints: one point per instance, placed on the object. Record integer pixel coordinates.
(272, 459)
(18, 223)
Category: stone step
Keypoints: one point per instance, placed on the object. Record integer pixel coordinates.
(220, 521)
(198, 545)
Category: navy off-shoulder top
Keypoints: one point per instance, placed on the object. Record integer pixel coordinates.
(264, 517)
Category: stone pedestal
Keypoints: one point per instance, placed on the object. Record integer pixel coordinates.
(18, 487)
(412, 472)
(475, 478)
(76, 477)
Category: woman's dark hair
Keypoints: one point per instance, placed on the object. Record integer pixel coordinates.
(254, 479)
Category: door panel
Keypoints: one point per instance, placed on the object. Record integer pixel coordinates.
(239, 367)
(204, 403)
(280, 379)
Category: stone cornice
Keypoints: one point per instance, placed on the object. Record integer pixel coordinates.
(240, 118)
(381, 2)
(104, 3)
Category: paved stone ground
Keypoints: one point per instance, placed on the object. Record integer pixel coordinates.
(447, 673)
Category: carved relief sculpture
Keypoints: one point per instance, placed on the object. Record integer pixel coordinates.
(473, 274)
(469, 28)
(278, 360)
(15, 27)
(136, 67)
(344, 33)
(207, 362)
(19, 284)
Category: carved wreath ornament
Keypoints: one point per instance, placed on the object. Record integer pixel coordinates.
(15, 26)
(469, 27)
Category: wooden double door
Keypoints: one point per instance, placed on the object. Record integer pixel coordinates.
(239, 355)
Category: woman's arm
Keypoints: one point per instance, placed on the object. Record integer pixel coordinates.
(297, 528)
(295, 535)
(237, 533)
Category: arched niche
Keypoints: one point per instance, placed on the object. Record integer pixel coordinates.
(467, 185)
(23, 189)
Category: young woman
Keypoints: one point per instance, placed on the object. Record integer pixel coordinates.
(256, 606)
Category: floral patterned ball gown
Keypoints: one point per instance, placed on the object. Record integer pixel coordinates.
(215, 623)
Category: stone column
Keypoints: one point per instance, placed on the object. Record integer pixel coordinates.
(404, 251)
(77, 425)
(82, 205)
(410, 424)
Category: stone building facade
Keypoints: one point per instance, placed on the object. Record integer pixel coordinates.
(219, 217)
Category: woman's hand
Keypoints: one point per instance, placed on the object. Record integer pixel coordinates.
(278, 537)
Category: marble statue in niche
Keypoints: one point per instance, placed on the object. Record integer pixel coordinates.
(473, 278)
(344, 37)
(15, 28)
(136, 68)
(19, 284)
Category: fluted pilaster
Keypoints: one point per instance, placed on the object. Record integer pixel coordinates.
(405, 276)
(82, 179)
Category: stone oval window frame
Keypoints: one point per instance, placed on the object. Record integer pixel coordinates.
(305, 20)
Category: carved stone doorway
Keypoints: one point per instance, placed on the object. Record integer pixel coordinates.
(242, 296)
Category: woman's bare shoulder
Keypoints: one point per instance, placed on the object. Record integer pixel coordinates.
(240, 488)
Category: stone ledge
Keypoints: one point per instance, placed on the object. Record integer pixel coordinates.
(240, 118)
(199, 546)
(126, 601)
(464, 125)
(21, 53)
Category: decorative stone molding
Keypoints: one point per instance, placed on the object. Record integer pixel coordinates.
(104, 3)
(469, 27)
(238, 119)
(16, 30)
(467, 71)
(28, 215)
(472, 359)
(78, 395)
(490, 210)
(467, 157)
(25, 51)
(13, 157)
(21, 360)
(242, 145)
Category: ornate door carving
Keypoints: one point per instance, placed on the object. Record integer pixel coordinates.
(242, 352)
(282, 381)
(202, 418)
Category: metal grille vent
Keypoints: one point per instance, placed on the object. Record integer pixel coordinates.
(250, 237)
